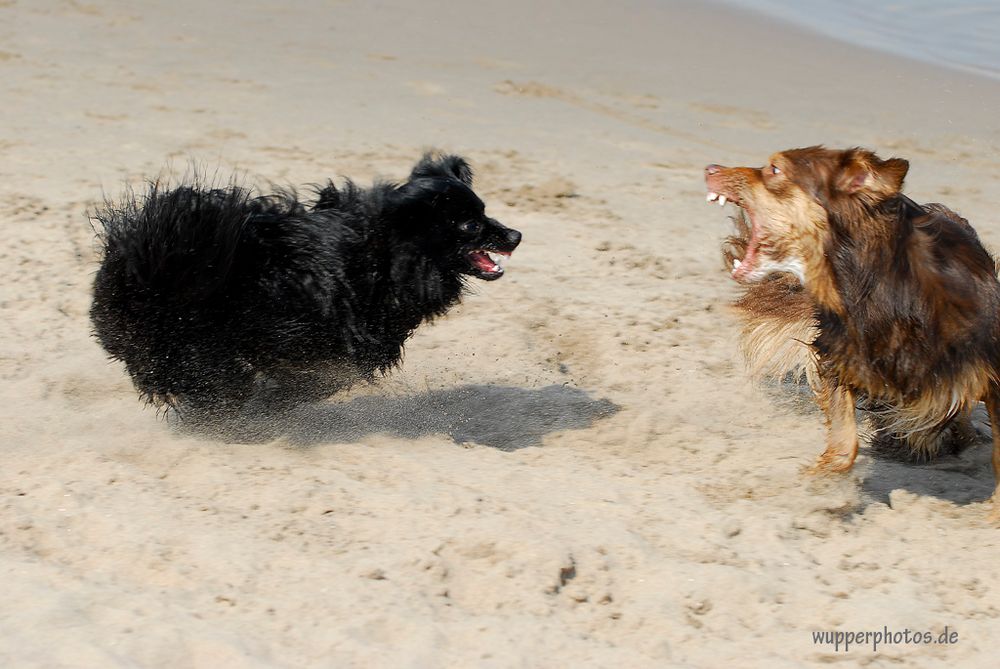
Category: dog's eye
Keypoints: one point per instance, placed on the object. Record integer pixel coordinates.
(775, 170)
(470, 226)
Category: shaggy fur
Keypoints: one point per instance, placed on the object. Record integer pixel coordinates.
(896, 305)
(212, 296)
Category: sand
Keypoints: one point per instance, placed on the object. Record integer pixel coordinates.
(570, 469)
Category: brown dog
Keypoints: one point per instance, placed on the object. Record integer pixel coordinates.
(873, 297)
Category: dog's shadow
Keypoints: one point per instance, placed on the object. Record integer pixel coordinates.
(507, 418)
(964, 478)
(961, 478)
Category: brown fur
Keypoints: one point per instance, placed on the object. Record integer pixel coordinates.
(779, 320)
(873, 298)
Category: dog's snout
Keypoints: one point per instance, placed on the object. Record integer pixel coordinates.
(713, 169)
(509, 236)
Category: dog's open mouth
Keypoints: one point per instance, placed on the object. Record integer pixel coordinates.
(743, 268)
(487, 264)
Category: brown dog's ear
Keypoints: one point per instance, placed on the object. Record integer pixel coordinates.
(892, 172)
(878, 177)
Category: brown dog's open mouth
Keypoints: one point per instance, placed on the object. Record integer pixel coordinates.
(745, 266)
(487, 264)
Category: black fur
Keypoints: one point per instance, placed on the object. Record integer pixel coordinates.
(213, 296)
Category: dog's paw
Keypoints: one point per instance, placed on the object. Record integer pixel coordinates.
(833, 462)
(993, 516)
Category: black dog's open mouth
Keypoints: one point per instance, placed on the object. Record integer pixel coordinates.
(487, 264)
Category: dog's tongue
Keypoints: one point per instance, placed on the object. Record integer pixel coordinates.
(741, 268)
(482, 260)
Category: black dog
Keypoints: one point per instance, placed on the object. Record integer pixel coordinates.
(214, 296)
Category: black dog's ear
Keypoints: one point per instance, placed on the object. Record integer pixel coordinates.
(411, 199)
(437, 165)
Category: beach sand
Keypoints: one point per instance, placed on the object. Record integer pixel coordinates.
(571, 468)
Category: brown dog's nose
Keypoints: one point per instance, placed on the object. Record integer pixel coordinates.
(713, 169)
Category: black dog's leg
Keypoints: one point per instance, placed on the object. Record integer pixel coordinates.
(213, 390)
(287, 385)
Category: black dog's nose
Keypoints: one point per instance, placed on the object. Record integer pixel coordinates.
(713, 169)
(513, 238)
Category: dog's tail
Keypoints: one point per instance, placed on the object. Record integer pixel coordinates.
(168, 253)
(172, 245)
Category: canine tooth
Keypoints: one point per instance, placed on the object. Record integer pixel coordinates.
(711, 196)
(722, 200)
(736, 263)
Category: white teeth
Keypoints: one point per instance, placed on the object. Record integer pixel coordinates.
(736, 263)
(711, 197)
(722, 200)
(497, 260)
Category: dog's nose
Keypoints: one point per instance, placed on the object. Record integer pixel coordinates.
(713, 169)
(513, 238)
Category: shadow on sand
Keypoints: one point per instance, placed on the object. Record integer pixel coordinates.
(502, 417)
(962, 478)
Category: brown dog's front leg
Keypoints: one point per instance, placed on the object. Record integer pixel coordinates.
(837, 402)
